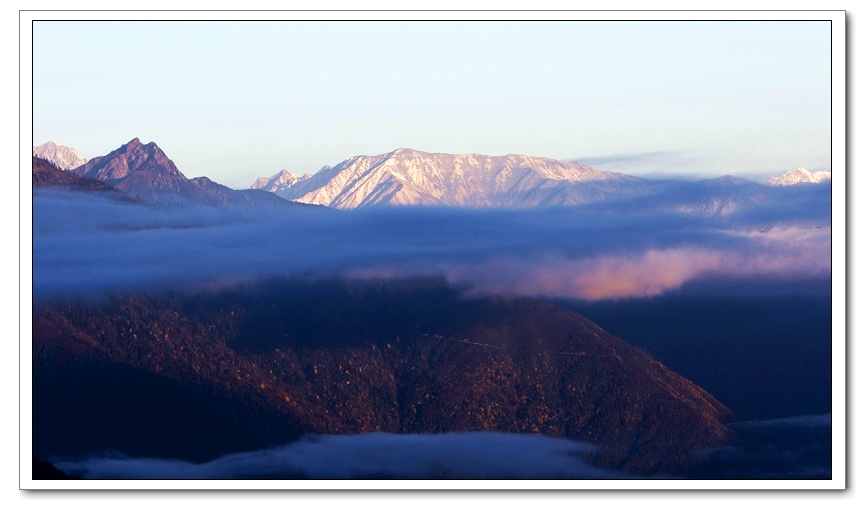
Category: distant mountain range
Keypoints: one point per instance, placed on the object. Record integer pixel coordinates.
(410, 177)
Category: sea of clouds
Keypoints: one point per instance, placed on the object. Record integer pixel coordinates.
(85, 244)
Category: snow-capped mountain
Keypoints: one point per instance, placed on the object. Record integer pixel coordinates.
(407, 176)
(66, 158)
(411, 177)
(283, 180)
(797, 176)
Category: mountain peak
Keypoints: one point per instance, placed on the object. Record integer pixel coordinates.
(135, 168)
(133, 144)
(797, 176)
(144, 173)
(66, 158)
(405, 151)
(277, 180)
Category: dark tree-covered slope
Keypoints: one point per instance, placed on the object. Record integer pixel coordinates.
(47, 175)
(269, 361)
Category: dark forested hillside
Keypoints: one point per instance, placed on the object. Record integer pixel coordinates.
(199, 375)
(48, 175)
(765, 357)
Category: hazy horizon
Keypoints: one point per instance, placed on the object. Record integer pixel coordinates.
(648, 165)
(236, 101)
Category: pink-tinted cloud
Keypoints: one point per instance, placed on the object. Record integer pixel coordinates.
(777, 253)
(607, 276)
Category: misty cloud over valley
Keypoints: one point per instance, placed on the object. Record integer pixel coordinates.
(459, 455)
(788, 448)
(85, 244)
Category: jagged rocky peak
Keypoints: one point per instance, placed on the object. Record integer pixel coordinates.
(127, 159)
(799, 175)
(133, 144)
(66, 158)
(144, 173)
(285, 175)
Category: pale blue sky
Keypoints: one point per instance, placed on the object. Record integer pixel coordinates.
(236, 101)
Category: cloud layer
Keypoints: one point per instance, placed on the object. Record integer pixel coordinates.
(788, 448)
(458, 455)
(83, 244)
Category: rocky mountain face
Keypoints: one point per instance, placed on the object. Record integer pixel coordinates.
(65, 158)
(199, 375)
(144, 172)
(799, 175)
(407, 176)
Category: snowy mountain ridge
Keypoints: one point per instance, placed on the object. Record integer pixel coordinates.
(407, 176)
(64, 157)
(278, 181)
(799, 175)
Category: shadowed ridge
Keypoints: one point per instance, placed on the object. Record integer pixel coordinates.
(144, 171)
(410, 357)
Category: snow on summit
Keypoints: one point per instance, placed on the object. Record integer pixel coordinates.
(799, 175)
(279, 181)
(411, 177)
(64, 157)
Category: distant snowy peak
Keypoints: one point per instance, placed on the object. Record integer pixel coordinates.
(798, 176)
(822, 176)
(283, 180)
(64, 157)
(407, 176)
